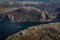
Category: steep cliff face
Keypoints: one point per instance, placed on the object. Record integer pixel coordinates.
(40, 32)
(23, 15)
(21, 12)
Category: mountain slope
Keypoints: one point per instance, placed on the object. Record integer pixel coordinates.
(40, 32)
(30, 12)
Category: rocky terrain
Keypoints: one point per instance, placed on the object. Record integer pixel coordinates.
(29, 12)
(49, 31)
(32, 12)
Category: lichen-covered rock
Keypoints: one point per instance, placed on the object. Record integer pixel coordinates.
(40, 32)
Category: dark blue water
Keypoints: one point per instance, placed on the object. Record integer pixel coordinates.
(35, 0)
(8, 28)
(25, 0)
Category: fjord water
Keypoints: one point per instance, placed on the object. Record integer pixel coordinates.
(8, 28)
(24, 0)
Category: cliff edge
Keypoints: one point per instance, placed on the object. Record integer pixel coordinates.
(49, 31)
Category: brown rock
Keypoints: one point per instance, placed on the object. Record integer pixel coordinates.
(40, 32)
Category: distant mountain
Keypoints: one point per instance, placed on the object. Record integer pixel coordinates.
(31, 12)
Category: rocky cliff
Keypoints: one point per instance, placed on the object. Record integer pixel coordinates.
(49, 31)
(20, 12)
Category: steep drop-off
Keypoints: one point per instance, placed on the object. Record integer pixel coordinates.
(40, 32)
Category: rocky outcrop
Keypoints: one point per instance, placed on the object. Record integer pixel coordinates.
(40, 32)
(20, 12)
